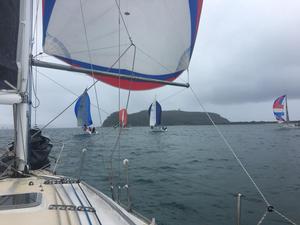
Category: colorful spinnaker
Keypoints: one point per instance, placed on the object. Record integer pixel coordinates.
(123, 118)
(83, 110)
(279, 108)
(155, 39)
(155, 112)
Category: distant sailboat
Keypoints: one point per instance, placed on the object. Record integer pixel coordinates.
(155, 112)
(123, 118)
(83, 113)
(281, 113)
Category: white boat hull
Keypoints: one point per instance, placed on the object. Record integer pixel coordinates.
(63, 201)
(158, 129)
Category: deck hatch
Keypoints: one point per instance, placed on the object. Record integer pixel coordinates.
(19, 201)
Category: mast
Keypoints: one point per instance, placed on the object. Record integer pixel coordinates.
(287, 111)
(22, 110)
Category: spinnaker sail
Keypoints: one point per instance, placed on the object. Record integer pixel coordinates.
(278, 109)
(83, 110)
(123, 118)
(155, 112)
(155, 39)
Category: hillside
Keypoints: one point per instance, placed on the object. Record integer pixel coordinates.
(169, 118)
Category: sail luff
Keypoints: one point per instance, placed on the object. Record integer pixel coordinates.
(278, 109)
(287, 111)
(152, 114)
(158, 114)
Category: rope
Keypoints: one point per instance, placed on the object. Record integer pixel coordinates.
(119, 98)
(91, 61)
(120, 15)
(230, 148)
(36, 99)
(132, 72)
(173, 95)
(262, 218)
(68, 90)
(87, 199)
(52, 120)
(58, 158)
(270, 208)
(117, 142)
(86, 213)
(284, 217)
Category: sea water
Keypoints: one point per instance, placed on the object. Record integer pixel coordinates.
(188, 175)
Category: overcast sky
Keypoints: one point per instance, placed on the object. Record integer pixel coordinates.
(247, 53)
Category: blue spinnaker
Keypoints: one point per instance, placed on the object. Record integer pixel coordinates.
(83, 110)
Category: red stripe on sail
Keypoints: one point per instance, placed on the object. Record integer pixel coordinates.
(128, 84)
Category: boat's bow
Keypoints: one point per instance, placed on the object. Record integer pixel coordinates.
(58, 200)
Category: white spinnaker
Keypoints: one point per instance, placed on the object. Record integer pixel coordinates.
(160, 29)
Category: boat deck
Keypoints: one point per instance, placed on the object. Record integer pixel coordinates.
(58, 200)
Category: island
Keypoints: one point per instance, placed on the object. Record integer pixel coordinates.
(169, 118)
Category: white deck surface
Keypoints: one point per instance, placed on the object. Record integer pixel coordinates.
(74, 194)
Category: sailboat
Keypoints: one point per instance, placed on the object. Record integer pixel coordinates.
(123, 47)
(281, 113)
(83, 113)
(155, 113)
(123, 119)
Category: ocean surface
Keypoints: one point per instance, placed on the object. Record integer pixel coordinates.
(187, 175)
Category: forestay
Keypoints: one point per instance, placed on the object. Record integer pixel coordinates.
(155, 39)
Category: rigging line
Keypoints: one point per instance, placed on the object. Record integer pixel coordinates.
(36, 24)
(111, 160)
(69, 90)
(120, 14)
(37, 100)
(86, 213)
(173, 95)
(62, 202)
(284, 217)
(58, 158)
(132, 72)
(89, 203)
(70, 200)
(34, 88)
(230, 147)
(262, 218)
(91, 62)
(156, 61)
(119, 62)
(84, 51)
(119, 98)
(77, 97)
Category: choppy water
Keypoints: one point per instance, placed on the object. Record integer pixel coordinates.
(187, 175)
